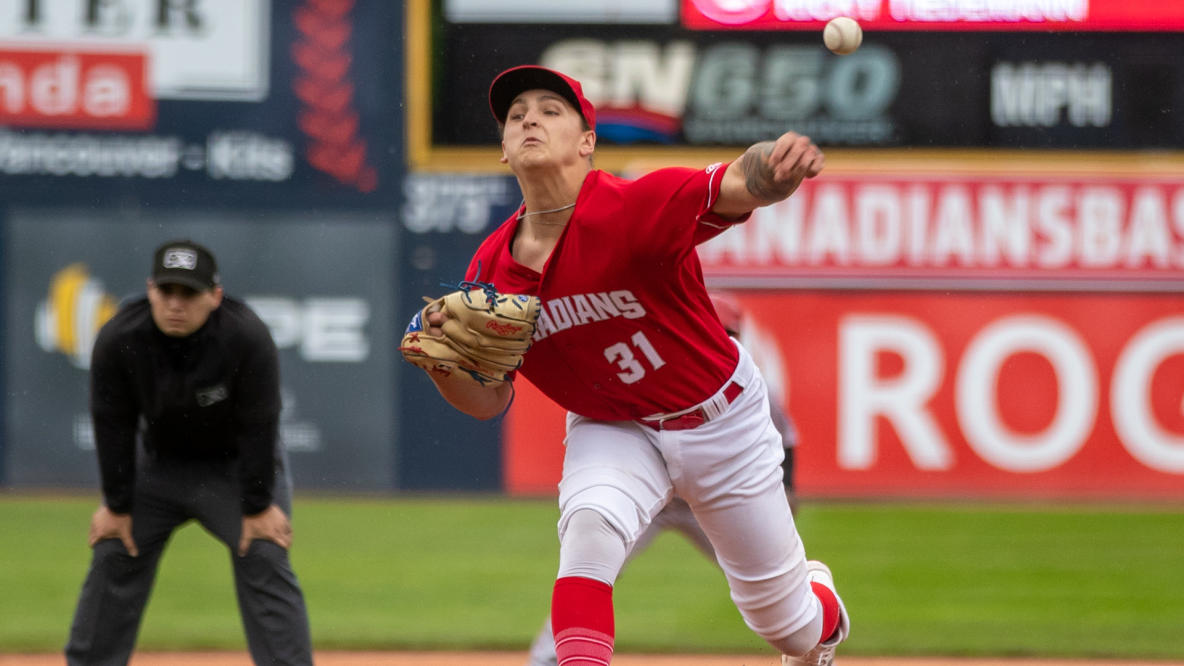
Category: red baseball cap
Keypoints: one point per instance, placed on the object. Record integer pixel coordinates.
(517, 80)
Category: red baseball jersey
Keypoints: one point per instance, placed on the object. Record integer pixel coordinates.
(627, 329)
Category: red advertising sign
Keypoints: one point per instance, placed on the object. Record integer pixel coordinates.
(984, 394)
(1063, 378)
(992, 15)
(1034, 232)
(75, 90)
(931, 394)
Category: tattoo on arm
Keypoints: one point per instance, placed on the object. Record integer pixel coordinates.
(758, 175)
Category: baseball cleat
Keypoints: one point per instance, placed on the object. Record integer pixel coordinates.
(824, 653)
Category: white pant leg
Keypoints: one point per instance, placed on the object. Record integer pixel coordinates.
(678, 516)
(613, 469)
(729, 472)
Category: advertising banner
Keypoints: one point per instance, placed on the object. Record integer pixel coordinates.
(214, 49)
(993, 15)
(568, 11)
(959, 334)
(951, 394)
(444, 217)
(916, 230)
(660, 86)
(317, 281)
(249, 101)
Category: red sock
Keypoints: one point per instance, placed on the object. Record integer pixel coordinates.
(830, 609)
(582, 621)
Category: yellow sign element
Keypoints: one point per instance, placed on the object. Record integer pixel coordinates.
(72, 314)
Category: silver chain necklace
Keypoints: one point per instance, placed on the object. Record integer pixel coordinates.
(544, 212)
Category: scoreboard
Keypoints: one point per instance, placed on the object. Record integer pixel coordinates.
(1078, 74)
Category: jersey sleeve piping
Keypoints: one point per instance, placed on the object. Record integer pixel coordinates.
(714, 184)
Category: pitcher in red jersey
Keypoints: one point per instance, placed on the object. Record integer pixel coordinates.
(660, 399)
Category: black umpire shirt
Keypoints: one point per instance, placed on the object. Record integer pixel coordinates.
(213, 395)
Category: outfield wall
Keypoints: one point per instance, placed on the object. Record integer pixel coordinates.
(997, 328)
(981, 296)
(263, 129)
(966, 303)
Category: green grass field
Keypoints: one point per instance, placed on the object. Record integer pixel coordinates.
(475, 573)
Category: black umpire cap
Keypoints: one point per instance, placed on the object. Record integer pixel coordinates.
(185, 263)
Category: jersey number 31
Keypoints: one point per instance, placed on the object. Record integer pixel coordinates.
(622, 355)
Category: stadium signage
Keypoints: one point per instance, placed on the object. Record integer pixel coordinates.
(660, 85)
(1034, 232)
(199, 49)
(932, 394)
(176, 96)
(443, 203)
(991, 394)
(609, 12)
(964, 334)
(732, 92)
(332, 328)
(993, 15)
(239, 155)
(74, 89)
(1047, 94)
(321, 329)
(989, 422)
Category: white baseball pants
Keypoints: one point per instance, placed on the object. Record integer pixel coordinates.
(729, 471)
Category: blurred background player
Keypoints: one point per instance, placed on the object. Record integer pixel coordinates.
(185, 398)
(732, 317)
(677, 515)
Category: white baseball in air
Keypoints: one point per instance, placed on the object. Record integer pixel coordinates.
(842, 35)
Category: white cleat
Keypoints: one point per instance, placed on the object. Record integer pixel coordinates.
(824, 653)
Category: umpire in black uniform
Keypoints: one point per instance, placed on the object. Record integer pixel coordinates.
(184, 394)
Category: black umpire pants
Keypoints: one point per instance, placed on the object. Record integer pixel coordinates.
(169, 493)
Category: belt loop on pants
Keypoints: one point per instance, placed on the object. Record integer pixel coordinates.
(697, 415)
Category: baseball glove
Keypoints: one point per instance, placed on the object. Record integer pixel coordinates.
(484, 335)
